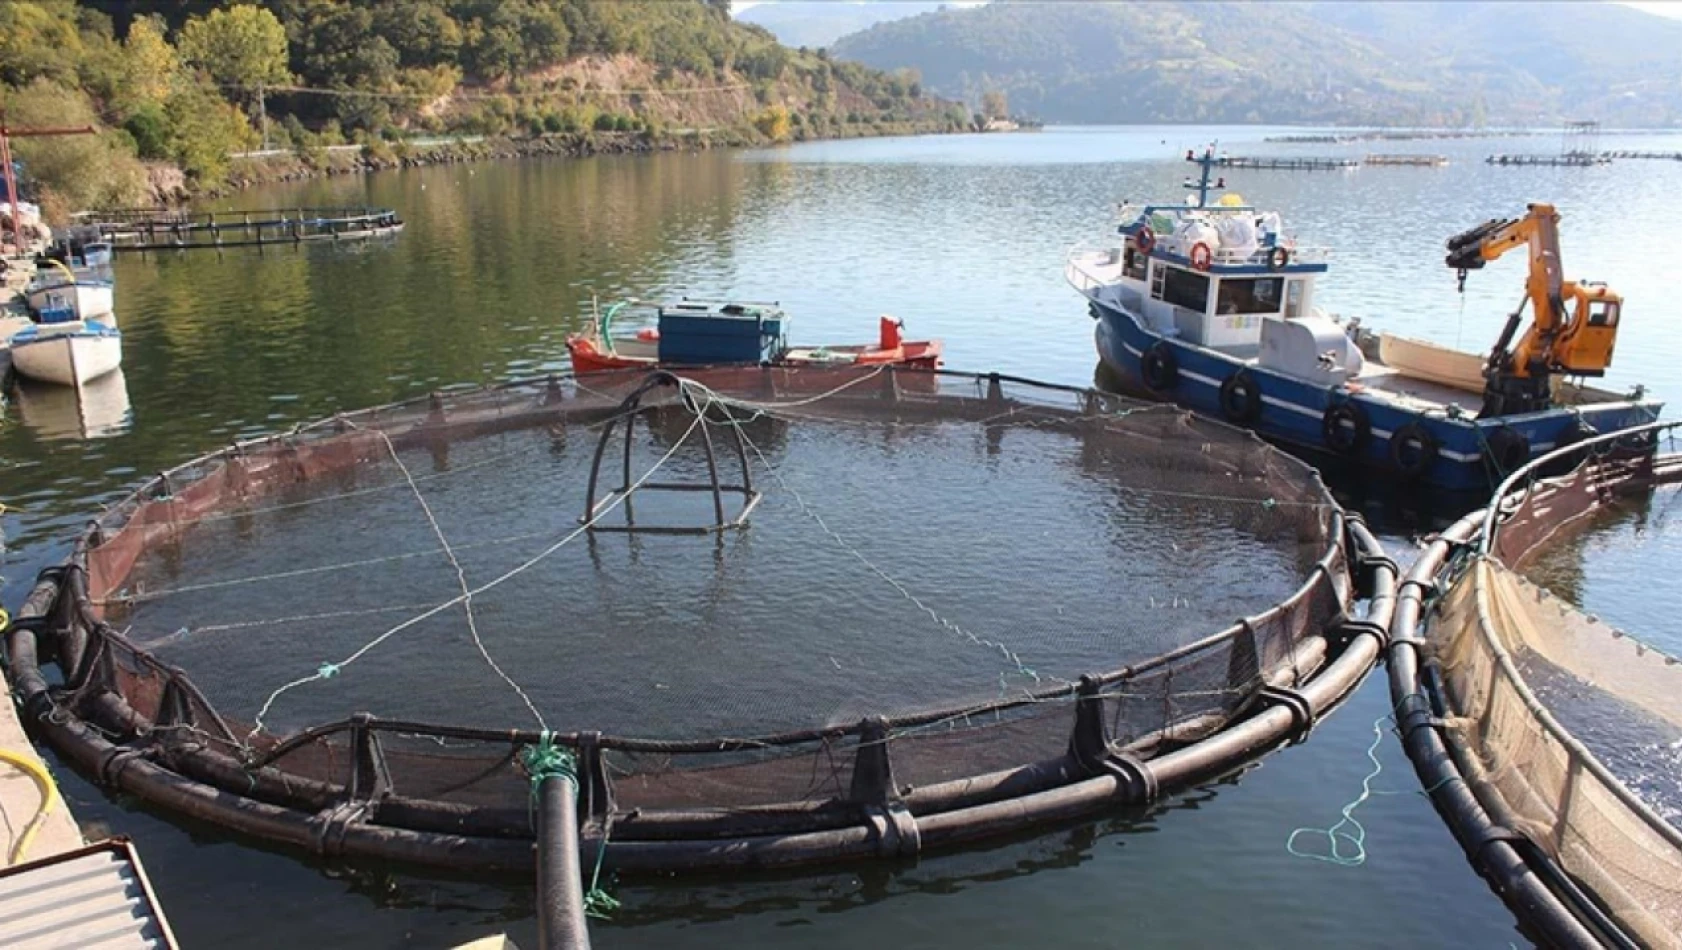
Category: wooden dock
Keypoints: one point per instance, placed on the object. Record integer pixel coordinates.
(163, 230)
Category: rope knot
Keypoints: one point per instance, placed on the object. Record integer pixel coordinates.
(546, 760)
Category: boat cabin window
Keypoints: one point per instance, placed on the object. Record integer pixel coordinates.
(1133, 263)
(1249, 295)
(1182, 288)
(1293, 299)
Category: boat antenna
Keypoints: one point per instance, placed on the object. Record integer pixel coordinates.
(1206, 162)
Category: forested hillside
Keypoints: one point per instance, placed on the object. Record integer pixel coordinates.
(182, 83)
(1390, 63)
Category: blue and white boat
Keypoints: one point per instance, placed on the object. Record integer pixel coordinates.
(63, 350)
(1211, 306)
(86, 294)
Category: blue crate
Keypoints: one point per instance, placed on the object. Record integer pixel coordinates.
(697, 335)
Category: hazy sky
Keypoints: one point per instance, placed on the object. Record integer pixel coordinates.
(1669, 8)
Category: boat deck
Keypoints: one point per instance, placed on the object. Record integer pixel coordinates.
(1417, 394)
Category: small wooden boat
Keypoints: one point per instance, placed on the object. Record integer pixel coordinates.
(67, 352)
(711, 333)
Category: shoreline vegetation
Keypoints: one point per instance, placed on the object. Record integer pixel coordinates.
(183, 93)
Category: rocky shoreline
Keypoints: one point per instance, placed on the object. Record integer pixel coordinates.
(304, 164)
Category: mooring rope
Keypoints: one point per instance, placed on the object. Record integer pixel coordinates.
(329, 670)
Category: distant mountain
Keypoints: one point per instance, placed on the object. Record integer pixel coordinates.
(819, 23)
(1451, 62)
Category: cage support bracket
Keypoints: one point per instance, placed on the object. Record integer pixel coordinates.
(1302, 711)
(1092, 748)
(873, 786)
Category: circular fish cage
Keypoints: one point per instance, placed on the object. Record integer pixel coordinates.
(1545, 736)
(778, 616)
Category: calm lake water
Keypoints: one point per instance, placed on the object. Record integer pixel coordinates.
(961, 236)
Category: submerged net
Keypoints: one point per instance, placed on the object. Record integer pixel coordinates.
(939, 558)
(1570, 725)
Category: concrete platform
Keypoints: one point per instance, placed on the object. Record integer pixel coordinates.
(20, 798)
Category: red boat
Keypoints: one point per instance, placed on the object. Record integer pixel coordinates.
(703, 333)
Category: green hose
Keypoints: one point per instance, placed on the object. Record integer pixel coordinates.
(607, 322)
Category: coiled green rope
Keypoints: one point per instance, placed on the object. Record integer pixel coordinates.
(545, 761)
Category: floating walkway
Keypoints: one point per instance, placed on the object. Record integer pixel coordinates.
(1662, 156)
(1574, 160)
(160, 230)
(1422, 161)
(1287, 164)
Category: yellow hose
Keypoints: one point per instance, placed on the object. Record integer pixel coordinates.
(68, 273)
(49, 798)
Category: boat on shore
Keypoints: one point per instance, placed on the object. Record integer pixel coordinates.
(715, 333)
(1211, 305)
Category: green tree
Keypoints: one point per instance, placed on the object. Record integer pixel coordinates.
(242, 47)
(994, 105)
(72, 172)
(38, 39)
(773, 123)
(205, 128)
(150, 66)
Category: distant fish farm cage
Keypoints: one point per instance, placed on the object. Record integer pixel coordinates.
(1286, 163)
(1560, 161)
(1538, 730)
(774, 616)
(164, 229)
(1428, 161)
(1658, 156)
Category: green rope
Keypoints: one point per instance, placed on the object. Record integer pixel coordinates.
(1356, 835)
(545, 761)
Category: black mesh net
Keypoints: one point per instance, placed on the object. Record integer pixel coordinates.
(944, 555)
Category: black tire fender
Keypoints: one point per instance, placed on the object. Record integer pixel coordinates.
(1345, 427)
(1159, 368)
(1413, 449)
(1241, 398)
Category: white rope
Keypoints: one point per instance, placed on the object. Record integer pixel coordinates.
(328, 670)
(1011, 656)
(461, 582)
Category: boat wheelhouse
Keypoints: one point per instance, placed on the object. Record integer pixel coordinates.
(1211, 304)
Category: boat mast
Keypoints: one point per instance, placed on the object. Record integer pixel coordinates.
(1206, 162)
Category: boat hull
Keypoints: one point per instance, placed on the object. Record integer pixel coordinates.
(86, 300)
(67, 359)
(587, 357)
(1469, 457)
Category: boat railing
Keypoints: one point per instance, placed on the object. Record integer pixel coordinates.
(1082, 269)
(1299, 253)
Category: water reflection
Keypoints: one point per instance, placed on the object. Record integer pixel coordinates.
(97, 409)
